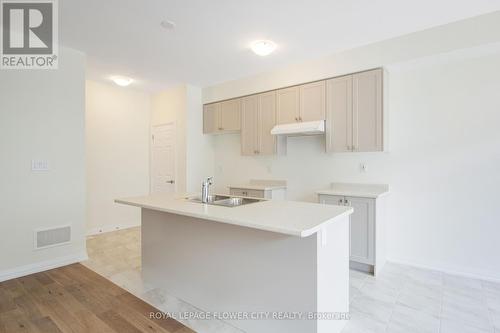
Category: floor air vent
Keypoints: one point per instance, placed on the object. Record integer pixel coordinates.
(52, 237)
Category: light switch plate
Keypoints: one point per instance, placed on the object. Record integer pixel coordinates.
(39, 165)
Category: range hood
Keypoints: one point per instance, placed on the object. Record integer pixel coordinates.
(298, 129)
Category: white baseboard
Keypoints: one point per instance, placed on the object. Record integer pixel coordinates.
(478, 276)
(109, 228)
(13, 273)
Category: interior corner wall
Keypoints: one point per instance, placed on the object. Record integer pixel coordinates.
(200, 148)
(194, 151)
(117, 147)
(42, 117)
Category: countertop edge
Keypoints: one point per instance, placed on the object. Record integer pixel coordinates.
(312, 231)
(295, 233)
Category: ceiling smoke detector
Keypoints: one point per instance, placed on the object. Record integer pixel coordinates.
(263, 47)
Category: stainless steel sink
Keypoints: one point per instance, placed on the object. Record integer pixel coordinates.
(211, 198)
(235, 201)
(225, 200)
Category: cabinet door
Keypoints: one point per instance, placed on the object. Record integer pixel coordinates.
(249, 124)
(312, 101)
(367, 111)
(362, 229)
(230, 115)
(288, 105)
(266, 121)
(339, 114)
(210, 118)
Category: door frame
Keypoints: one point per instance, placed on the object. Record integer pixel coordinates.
(153, 127)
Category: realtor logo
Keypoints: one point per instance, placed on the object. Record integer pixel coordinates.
(29, 38)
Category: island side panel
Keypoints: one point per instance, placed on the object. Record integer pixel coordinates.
(220, 267)
(333, 274)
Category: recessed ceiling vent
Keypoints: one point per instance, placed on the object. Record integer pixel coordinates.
(52, 237)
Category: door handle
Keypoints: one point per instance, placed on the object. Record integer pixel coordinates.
(170, 181)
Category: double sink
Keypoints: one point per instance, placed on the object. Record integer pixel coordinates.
(225, 200)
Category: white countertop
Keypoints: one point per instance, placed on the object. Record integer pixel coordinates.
(293, 218)
(260, 187)
(356, 190)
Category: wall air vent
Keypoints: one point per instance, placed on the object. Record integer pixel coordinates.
(52, 237)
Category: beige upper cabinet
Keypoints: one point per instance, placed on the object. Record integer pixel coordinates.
(354, 117)
(258, 117)
(301, 103)
(249, 126)
(230, 115)
(222, 117)
(367, 111)
(288, 105)
(267, 120)
(339, 114)
(210, 118)
(312, 101)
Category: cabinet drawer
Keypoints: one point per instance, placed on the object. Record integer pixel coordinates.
(331, 199)
(241, 192)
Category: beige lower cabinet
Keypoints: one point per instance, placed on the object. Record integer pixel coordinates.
(367, 250)
(258, 117)
(354, 114)
(222, 117)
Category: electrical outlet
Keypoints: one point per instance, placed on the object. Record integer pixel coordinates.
(363, 167)
(39, 165)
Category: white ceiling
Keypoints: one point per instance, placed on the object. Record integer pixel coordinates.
(210, 42)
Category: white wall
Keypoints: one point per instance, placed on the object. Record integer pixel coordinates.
(443, 119)
(463, 34)
(117, 148)
(200, 149)
(42, 117)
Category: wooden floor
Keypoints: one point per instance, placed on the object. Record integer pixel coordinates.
(75, 299)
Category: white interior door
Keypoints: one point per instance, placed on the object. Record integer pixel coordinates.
(163, 159)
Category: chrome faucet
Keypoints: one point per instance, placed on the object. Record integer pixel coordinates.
(205, 189)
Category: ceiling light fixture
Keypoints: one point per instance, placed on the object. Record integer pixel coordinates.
(122, 81)
(263, 47)
(168, 25)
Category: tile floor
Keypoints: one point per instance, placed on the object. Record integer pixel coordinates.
(401, 299)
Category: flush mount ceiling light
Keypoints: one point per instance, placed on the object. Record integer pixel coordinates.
(122, 81)
(263, 47)
(168, 25)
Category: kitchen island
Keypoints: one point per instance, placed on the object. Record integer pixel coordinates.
(268, 266)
